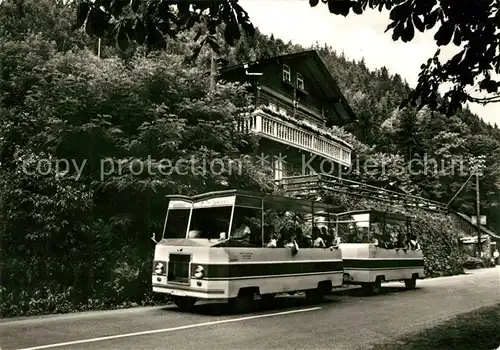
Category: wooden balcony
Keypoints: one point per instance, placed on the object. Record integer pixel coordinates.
(279, 130)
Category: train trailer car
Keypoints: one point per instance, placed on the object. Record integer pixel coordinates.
(383, 249)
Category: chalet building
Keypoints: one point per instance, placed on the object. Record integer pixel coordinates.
(296, 100)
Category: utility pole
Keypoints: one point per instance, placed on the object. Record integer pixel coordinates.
(479, 164)
(213, 71)
(99, 48)
(479, 245)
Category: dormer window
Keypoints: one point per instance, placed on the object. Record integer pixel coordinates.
(300, 81)
(287, 75)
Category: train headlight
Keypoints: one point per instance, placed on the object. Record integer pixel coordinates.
(159, 268)
(199, 272)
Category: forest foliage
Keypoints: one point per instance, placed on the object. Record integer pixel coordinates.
(471, 26)
(73, 239)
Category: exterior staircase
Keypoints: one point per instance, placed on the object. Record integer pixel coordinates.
(309, 186)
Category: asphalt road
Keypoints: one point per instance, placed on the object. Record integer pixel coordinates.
(346, 320)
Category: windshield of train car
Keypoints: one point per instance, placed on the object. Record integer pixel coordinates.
(177, 222)
(210, 223)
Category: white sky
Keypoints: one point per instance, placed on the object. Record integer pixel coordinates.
(356, 36)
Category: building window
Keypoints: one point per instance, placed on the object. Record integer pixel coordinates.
(300, 81)
(287, 75)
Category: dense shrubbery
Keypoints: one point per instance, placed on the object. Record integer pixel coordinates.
(78, 239)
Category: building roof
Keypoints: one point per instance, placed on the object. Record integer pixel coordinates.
(483, 229)
(319, 73)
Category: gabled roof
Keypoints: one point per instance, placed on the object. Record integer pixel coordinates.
(320, 73)
(483, 229)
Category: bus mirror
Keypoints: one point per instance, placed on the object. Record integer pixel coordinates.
(153, 238)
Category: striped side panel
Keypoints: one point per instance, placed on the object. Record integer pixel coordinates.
(382, 263)
(268, 270)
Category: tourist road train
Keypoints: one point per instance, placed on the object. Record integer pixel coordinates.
(235, 245)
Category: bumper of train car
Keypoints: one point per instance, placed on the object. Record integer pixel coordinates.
(366, 275)
(160, 285)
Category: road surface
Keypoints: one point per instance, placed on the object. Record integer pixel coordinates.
(345, 320)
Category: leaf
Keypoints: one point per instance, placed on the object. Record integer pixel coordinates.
(248, 28)
(444, 34)
(135, 5)
(424, 7)
(214, 9)
(391, 26)
(154, 38)
(213, 44)
(339, 7)
(313, 3)
(196, 52)
(430, 20)
(117, 7)
(408, 33)
(456, 59)
(231, 32)
(198, 35)
(140, 31)
(122, 38)
(398, 31)
(400, 12)
(183, 8)
(457, 39)
(97, 23)
(418, 23)
(356, 8)
(492, 87)
(81, 14)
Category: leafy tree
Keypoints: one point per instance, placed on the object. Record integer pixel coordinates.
(87, 233)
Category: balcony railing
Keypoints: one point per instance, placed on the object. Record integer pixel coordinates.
(281, 131)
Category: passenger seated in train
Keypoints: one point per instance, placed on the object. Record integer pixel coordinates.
(273, 242)
(327, 237)
(242, 231)
(292, 243)
(336, 241)
(194, 233)
(401, 241)
(318, 242)
(413, 244)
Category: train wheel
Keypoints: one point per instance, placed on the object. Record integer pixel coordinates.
(184, 303)
(315, 295)
(373, 288)
(411, 283)
(268, 297)
(244, 302)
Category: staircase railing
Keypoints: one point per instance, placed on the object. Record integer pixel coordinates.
(314, 184)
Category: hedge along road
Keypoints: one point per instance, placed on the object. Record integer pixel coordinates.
(343, 321)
